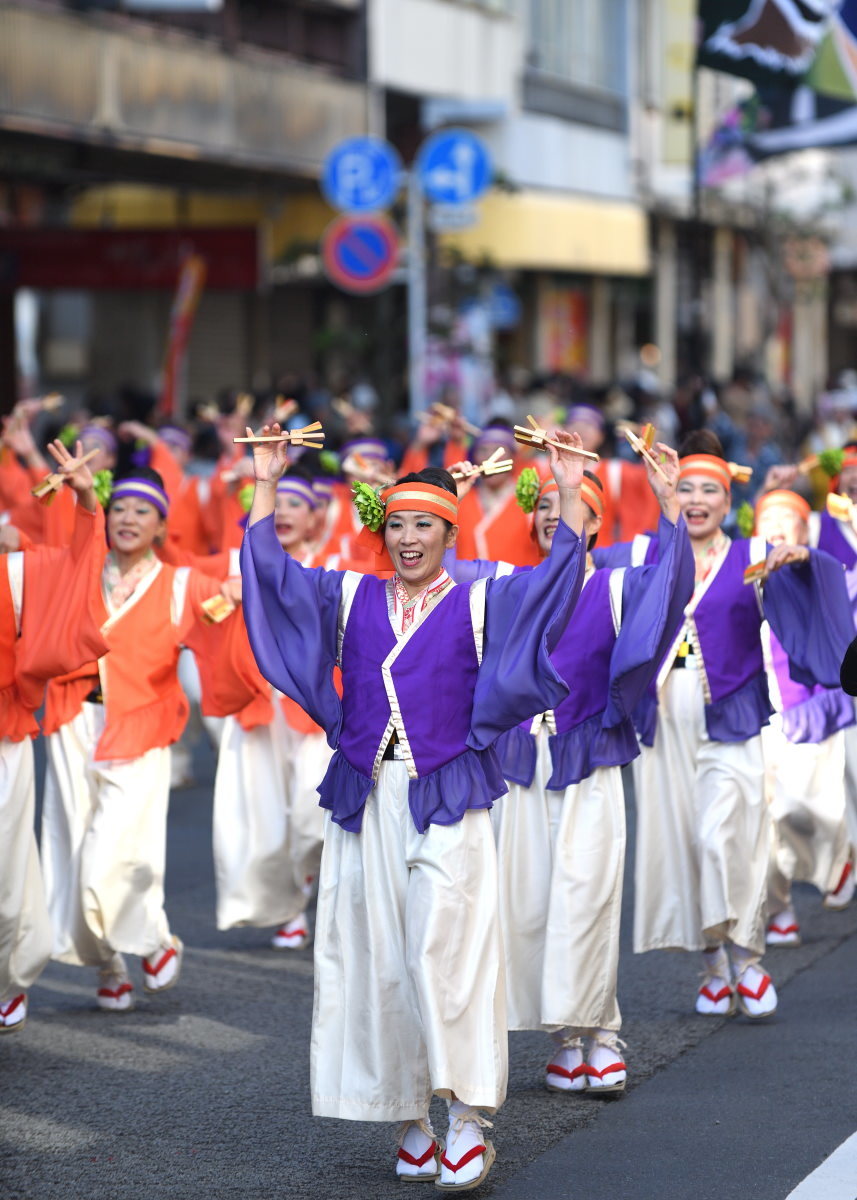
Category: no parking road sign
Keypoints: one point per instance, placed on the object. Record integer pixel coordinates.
(360, 253)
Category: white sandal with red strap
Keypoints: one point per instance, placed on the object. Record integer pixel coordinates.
(162, 969)
(294, 935)
(566, 1071)
(115, 990)
(757, 996)
(419, 1152)
(843, 893)
(606, 1072)
(468, 1156)
(783, 929)
(13, 1013)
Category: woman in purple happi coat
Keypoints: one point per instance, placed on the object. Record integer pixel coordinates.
(703, 828)
(409, 996)
(804, 747)
(561, 830)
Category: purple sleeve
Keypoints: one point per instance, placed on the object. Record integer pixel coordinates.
(292, 616)
(808, 609)
(467, 570)
(525, 613)
(617, 555)
(653, 603)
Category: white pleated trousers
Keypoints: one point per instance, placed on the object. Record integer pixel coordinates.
(806, 794)
(104, 834)
(409, 995)
(181, 761)
(703, 831)
(561, 857)
(268, 827)
(25, 929)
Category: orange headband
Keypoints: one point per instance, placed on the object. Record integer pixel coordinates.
(850, 459)
(782, 498)
(589, 494)
(708, 465)
(420, 497)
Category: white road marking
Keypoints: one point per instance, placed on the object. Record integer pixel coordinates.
(835, 1179)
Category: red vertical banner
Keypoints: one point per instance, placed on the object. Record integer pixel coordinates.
(188, 293)
(563, 328)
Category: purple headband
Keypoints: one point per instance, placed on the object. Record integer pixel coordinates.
(100, 434)
(289, 485)
(585, 413)
(174, 436)
(143, 489)
(323, 488)
(366, 447)
(496, 435)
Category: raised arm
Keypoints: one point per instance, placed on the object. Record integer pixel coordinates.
(805, 599)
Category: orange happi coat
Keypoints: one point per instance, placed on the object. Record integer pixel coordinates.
(49, 619)
(630, 505)
(504, 534)
(144, 704)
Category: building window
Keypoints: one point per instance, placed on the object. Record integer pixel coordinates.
(577, 60)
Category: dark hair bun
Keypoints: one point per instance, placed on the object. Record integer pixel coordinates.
(701, 441)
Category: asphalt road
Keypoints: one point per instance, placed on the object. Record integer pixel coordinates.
(203, 1092)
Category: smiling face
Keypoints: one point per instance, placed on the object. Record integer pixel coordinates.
(133, 525)
(546, 519)
(780, 525)
(704, 504)
(294, 520)
(416, 542)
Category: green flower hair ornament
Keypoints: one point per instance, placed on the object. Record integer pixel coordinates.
(370, 510)
(527, 489)
(102, 481)
(68, 435)
(245, 497)
(746, 520)
(831, 461)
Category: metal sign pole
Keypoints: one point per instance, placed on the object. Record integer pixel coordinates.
(417, 302)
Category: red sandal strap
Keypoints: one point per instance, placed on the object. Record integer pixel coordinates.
(715, 999)
(596, 1074)
(161, 963)
(759, 993)
(464, 1160)
(14, 1004)
(422, 1160)
(120, 991)
(553, 1069)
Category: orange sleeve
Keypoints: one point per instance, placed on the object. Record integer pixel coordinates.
(161, 460)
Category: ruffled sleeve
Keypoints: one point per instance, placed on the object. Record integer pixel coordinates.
(292, 616)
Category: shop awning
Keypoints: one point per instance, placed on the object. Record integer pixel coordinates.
(543, 231)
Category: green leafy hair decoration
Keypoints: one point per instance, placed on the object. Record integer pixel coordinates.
(245, 496)
(103, 483)
(370, 510)
(329, 461)
(527, 489)
(831, 461)
(68, 435)
(746, 520)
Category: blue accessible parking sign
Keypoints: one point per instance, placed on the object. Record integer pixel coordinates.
(360, 254)
(361, 175)
(454, 166)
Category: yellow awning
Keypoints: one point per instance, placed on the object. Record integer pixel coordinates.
(544, 231)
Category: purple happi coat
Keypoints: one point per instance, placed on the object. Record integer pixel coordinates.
(807, 607)
(809, 714)
(834, 537)
(476, 665)
(607, 671)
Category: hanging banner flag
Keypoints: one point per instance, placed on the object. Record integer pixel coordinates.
(763, 40)
(774, 120)
(834, 68)
(185, 304)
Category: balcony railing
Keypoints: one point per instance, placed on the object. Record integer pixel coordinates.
(165, 93)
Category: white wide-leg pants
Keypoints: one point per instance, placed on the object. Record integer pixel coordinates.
(104, 834)
(25, 929)
(806, 794)
(703, 831)
(409, 993)
(268, 827)
(560, 858)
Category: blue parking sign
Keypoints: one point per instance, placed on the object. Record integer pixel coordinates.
(361, 175)
(454, 166)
